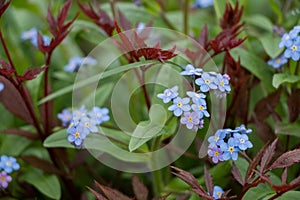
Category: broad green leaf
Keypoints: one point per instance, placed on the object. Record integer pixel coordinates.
(242, 165)
(260, 21)
(34, 86)
(290, 195)
(95, 78)
(288, 129)
(258, 192)
(278, 79)
(146, 130)
(47, 184)
(255, 65)
(14, 145)
(270, 44)
(58, 139)
(100, 143)
(152, 6)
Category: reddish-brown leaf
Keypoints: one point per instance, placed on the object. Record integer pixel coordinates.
(191, 180)
(253, 164)
(208, 181)
(231, 16)
(13, 101)
(52, 22)
(287, 159)
(110, 193)
(123, 21)
(98, 195)
(265, 131)
(3, 6)
(15, 131)
(236, 174)
(41, 164)
(140, 190)
(284, 176)
(6, 69)
(293, 105)
(63, 14)
(267, 157)
(266, 106)
(31, 73)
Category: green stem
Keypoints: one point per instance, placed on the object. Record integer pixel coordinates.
(157, 174)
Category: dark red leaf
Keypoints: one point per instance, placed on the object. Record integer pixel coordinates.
(110, 193)
(63, 14)
(236, 174)
(6, 69)
(208, 181)
(203, 37)
(123, 21)
(287, 159)
(191, 180)
(267, 157)
(140, 190)
(231, 16)
(253, 164)
(266, 106)
(15, 131)
(293, 105)
(52, 23)
(265, 131)
(3, 6)
(184, 197)
(13, 101)
(32, 73)
(284, 176)
(98, 195)
(41, 164)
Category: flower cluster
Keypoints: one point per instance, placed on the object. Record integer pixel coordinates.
(8, 164)
(75, 62)
(32, 35)
(291, 41)
(82, 122)
(226, 143)
(193, 108)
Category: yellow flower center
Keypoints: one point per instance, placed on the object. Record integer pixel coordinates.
(216, 153)
(87, 124)
(222, 83)
(294, 47)
(70, 125)
(201, 108)
(2, 178)
(219, 194)
(277, 60)
(190, 119)
(179, 105)
(207, 81)
(217, 138)
(77, 135)
(231, 149)
(8, 164)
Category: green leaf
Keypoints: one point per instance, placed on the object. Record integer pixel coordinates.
(270, 44)
(58, 139)
(278, 79)
(47, 184)
(258, 192)
(288, 129)
(146, 130)
(97, 143)
(255, 65)
(152, 6)
(276, 8)
(95, 78)
(260, 21)
(290, 195)
(242, 165)
(14, 145)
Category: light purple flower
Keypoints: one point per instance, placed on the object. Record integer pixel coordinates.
(89, 123)
(191, 70)
(99, 114)
(32, 35)
(277, 61)
(180, 105)
(201, 110)
(242, 141)
(75, 62)
(76, 135)
(206, 82)
(215, 153)
(4, 180)
(190, 119)
(230, 150)
(218, 191)
(65, 116)
(197, 98)
(169, 94)
(9, 164)
(217, 138)
(1, 87)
